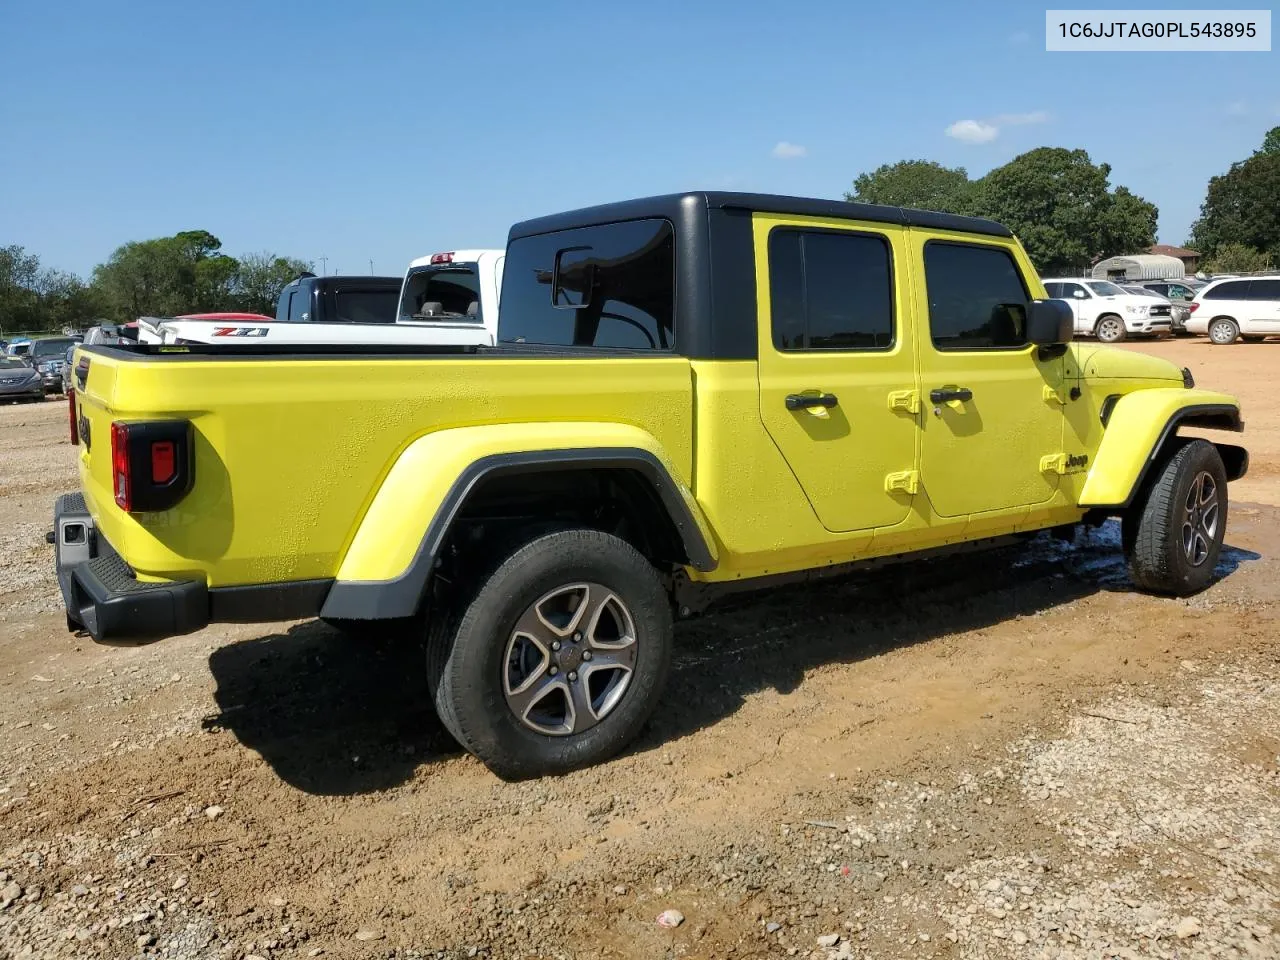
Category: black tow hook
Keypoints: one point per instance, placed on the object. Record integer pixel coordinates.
(51, 537)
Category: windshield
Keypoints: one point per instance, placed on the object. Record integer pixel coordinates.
(1104, 289)
(50, 348)
(442, 292)
(13, 363)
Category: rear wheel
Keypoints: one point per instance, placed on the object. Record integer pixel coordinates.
(1110, 329)
(1173, 537)
(557, 659)
(1223, 330)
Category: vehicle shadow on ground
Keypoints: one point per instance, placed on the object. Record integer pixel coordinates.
(334, 715)
(331, 714)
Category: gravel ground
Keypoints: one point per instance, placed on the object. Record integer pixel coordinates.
(1022, 759)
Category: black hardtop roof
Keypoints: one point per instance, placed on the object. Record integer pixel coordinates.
(670, 205)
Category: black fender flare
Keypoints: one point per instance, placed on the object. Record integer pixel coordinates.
(402, 596)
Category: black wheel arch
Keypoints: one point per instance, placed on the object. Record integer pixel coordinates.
(649, 505)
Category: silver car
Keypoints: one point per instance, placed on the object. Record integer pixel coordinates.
(19, 380)
(1178, 311)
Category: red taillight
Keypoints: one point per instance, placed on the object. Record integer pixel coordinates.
(121, 479)
(442, 258)
(71, 413)
(1192, 306)
(162, 462)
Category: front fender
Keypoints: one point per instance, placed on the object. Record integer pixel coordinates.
(385, 569)
(1139, 424)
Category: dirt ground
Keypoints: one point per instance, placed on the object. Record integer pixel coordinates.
(1017, 758)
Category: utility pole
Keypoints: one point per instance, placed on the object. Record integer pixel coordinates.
(324, 263)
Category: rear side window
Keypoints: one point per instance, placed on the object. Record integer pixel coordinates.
(1264, 290)
(1230, 290)
(1054, 290)
(977, 300)
(365, 306)
(830, 290)
(605, 286)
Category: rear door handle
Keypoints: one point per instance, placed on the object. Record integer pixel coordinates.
(943, 394)
(798, 401)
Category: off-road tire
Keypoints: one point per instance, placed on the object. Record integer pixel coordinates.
(1222, 331)
(1153, 527)
(467, 639)
(1110, 332)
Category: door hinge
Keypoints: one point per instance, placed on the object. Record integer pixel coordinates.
(904, 481)
(1062, 463)
(1052, 395)
(908, 400)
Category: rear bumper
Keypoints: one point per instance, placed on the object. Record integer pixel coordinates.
(101, 594)
(103, 597)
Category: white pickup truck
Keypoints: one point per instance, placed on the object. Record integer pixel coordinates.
(445, 298)
(1103, 310)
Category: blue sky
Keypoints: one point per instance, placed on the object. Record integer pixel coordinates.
(385, 130)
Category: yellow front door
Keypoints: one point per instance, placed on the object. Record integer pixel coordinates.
(837, 365)
(993, 403)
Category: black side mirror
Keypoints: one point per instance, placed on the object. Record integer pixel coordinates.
(1049, 322)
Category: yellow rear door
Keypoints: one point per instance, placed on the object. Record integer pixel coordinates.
(836, 353)
(996, 414)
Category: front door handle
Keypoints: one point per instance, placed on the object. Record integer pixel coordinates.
(798, 401)
(943, 394)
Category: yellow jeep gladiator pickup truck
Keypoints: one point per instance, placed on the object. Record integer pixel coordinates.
(690, 394)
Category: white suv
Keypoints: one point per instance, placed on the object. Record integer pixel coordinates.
(1105, 311)
(1247, 308)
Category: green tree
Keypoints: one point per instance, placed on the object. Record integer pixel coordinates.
(1271, 142)
(34, 298)
(1060, 205)
(260, 278)
(1237, 258)
(167, 276)
(922, 184)
(1242, 206)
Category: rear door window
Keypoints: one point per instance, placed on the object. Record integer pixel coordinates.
(1264, 290)
(830, 290)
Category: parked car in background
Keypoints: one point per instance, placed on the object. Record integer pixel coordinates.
(1246, 308)
(19, 347)
(445, 299)
(48, 356)
(1105, 311)
(1178, 312)
(355, 299)
(19, 380)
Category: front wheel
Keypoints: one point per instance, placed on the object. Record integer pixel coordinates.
(1110, 329)
(1173, 537)
(557, 660)
(1223, 331)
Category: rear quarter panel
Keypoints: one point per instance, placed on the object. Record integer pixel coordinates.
(290, 452)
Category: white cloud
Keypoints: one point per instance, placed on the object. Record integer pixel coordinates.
(973, 131)
(984, 131)
(789, 151)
